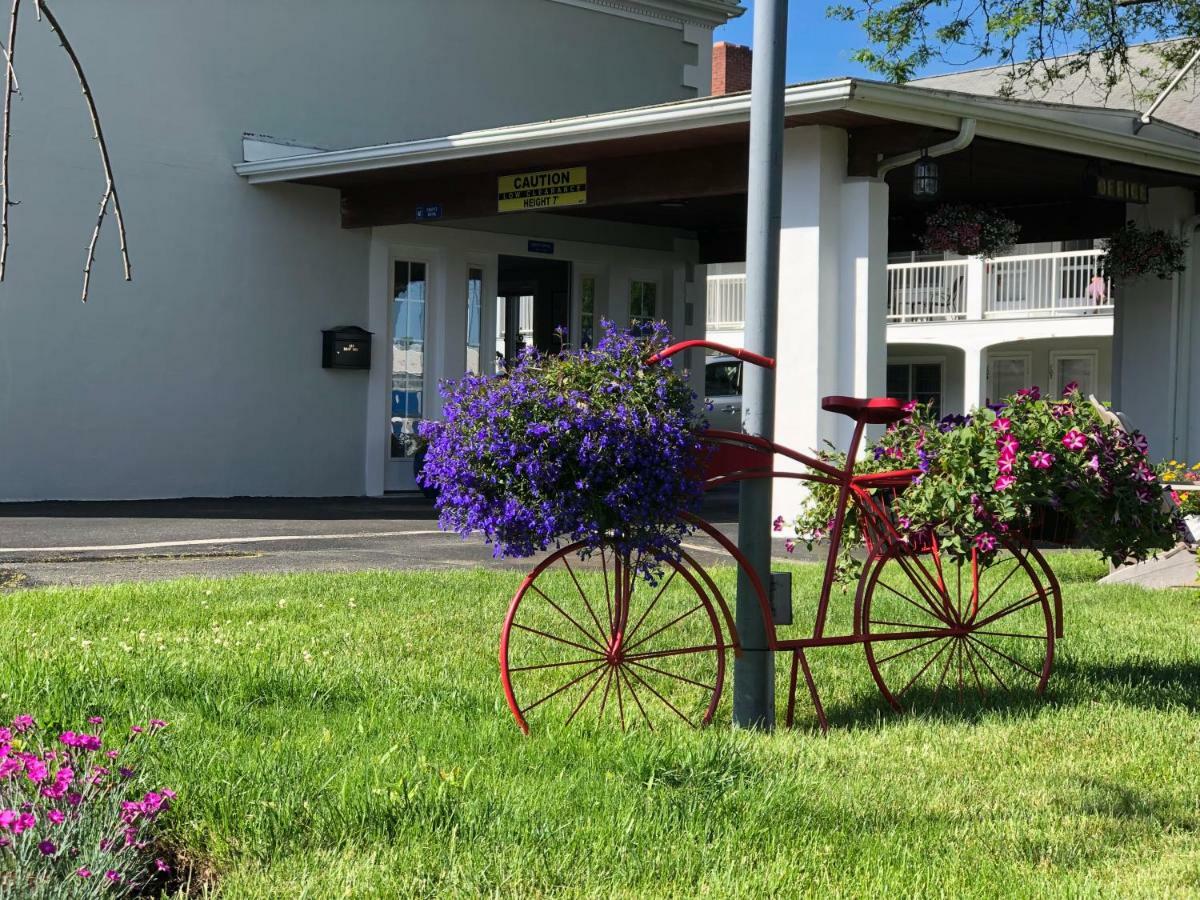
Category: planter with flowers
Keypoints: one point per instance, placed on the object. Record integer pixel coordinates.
(968, 231)
(588, 445)
(1134, 252)
(1032, 466)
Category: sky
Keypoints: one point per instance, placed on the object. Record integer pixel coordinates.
(818, 47)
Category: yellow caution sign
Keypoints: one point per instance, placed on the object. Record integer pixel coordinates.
(543, 190)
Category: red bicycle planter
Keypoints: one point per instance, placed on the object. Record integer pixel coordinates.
(595, 642)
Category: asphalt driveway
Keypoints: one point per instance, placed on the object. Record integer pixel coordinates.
(106, 542)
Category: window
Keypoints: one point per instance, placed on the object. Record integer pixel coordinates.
(723, 378)
(408, 354)
(587, 311)
(643, 300)
(474, 318)
(1079, 368)
(920, 381)
(1006, 376)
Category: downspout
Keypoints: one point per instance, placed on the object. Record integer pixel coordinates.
(1181, 337)
(962, 140)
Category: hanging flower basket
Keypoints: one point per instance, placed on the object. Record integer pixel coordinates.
(1134, 252)
(588, 445)
(968, 231)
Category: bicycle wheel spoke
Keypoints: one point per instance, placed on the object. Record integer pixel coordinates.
(583, 597)
(604, 699)
(554, 637)
(974, 671)
(1014, 607)
(997, 589)
(558, 691)
(882, 659)
(632, 631)
(681, 651)
(921, 671)
(621, 673)
(675, 621)
(555, 665)
(1036, 637)
(588, 693)
(699, 684)
(608, 599)
(902, 625)
(928, 610)
(988, 666)
(569, 618)
(945, 669)
(1017, 663)
(620, 701)
(923, 583)
(663, 699)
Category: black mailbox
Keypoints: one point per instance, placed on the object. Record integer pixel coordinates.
(347, 347)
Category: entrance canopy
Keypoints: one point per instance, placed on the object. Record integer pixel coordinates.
(683, 165)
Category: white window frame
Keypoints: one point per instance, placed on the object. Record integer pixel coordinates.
(655, 279)
(1025, 356)
(1092, 356)
(911, 361)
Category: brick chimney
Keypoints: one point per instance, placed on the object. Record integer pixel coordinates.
(731, 68)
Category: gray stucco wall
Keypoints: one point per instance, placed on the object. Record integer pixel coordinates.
(203, 376)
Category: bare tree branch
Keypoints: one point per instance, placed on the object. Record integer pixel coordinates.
(10, 88)
(110, 186)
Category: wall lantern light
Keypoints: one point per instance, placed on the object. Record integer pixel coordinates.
(926, 181)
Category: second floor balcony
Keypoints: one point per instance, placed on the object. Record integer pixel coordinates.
(1036, 285)
(1023, 286)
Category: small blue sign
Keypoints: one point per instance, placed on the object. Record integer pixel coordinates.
(429, 212)
(541, 247)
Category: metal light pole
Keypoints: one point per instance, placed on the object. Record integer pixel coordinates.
(754, 672)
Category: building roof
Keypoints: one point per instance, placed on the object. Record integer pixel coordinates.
(1086, 88)
(1080, 129)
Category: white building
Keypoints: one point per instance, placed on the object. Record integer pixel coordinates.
(205, 377)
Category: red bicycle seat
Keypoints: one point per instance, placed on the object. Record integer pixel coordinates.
(871, 410)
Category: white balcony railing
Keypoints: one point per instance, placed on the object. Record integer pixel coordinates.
(726, 302)
(927, 291)
(1029, 286)
(1046, 284)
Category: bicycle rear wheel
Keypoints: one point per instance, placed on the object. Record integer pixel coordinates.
(935, 627)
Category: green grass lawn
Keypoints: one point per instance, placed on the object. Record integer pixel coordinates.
(347, 736)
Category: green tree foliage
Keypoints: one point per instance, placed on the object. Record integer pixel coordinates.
(1044, 41)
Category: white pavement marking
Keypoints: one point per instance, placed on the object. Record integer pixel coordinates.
(275, 538)
(715, 549)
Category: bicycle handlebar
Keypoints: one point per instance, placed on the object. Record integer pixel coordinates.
(745, 355)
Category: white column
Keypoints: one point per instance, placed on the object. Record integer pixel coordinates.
(832, 295)
(377, 425)
(974, 376)
(975, 276)
(1145, 333)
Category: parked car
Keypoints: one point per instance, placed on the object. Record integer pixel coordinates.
(723, 389)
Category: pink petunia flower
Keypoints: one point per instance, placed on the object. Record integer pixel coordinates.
(777, 525)
(1002, 424)
(789, 545)
(1008, 443)
(985, 542)
(1093, 463)
(1040, 459)
(1074, 440)
(1004, 482)
(1006, 462)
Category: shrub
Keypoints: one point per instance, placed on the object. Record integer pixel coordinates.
(1005, 468)
(590, 445)
(77, 819)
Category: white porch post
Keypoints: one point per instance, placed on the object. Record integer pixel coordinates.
(974, 376)
(1146, 347)
(976, 272)
(832, 336)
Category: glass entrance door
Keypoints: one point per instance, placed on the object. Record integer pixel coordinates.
(407, 320)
